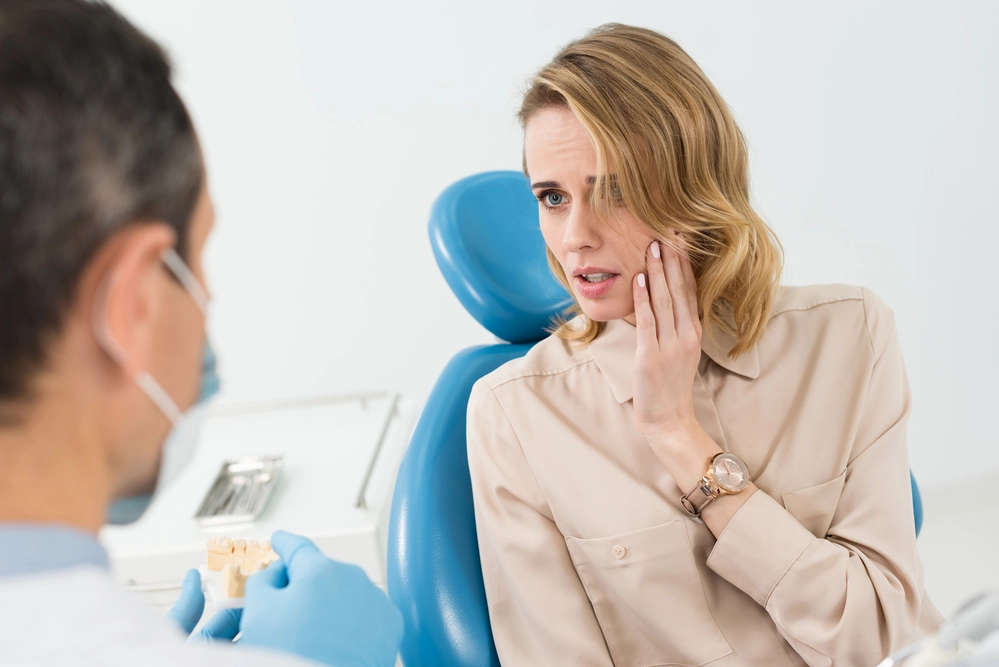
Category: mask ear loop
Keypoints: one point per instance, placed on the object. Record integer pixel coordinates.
(181, 271)
(158, 395)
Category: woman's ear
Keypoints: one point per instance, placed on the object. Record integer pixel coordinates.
(127, 294)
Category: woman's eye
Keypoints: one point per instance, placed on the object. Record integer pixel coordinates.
(552, 199)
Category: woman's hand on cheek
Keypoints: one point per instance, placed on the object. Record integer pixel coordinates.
(669, 350)
(669, 343)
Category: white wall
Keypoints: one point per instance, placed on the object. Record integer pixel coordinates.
(330, 127)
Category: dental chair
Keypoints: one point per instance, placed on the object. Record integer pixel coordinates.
(485, 236)
(487, 242)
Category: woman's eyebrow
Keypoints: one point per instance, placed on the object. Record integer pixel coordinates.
(590, 180)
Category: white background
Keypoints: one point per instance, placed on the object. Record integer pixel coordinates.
(330, 127)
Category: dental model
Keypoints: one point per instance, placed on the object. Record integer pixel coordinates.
(258, 556)
(237, 560)
(219, 553)
(238, 552)
(233, 581)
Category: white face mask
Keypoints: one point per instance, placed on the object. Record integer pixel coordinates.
(180, 444)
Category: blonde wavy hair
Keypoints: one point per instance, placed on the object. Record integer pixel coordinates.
(669, 150)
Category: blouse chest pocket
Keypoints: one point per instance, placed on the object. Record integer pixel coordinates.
(647, 597)
(815, 507)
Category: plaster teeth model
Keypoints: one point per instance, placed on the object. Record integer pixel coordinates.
(233, 582)
(258, 556)
(237, 560)
(219, 553)
(238, 552)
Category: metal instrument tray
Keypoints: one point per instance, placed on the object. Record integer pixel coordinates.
(240, 491)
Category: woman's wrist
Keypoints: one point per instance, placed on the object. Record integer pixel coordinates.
(684, 451)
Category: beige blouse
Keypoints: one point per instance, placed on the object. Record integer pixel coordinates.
(589, 559)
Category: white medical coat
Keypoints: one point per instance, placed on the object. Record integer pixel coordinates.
(79, 616)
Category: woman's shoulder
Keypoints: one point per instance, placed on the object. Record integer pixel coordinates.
(795, 298)
(549, 357)
(836, 306)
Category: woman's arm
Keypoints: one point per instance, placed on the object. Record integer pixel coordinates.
(849, 598)
(539, 611)
(854, 596)
(669, 334)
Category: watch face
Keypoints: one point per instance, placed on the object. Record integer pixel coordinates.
(730, 472)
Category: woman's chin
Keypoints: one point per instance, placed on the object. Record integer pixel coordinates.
(606, 312)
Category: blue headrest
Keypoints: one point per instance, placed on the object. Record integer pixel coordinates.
(485, 234)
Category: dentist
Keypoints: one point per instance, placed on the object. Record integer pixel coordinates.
(104, 212)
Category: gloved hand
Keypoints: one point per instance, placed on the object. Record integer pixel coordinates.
(187, 611)
(319, 609)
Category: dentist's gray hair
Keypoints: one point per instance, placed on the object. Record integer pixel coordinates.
(93, 138)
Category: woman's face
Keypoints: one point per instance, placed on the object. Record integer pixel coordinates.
(600, 257)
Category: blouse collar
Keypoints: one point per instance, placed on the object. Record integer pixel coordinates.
(614, 353)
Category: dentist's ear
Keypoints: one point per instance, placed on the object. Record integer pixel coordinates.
(125, 281)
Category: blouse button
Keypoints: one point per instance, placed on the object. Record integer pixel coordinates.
(618, 551)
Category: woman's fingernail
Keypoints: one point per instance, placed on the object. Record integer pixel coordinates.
(655, 249)
(641, 280)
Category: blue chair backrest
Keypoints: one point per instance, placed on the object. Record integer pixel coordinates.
(486, 239)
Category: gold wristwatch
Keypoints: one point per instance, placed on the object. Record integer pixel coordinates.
(726, 475)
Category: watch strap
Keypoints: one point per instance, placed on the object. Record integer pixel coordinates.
(698, 499)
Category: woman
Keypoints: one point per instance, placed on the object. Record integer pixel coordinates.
(610, 528)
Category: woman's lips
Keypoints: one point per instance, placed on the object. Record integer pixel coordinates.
(595, 290)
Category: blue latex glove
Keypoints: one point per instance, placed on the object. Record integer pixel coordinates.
(187, 611)
(320, 609)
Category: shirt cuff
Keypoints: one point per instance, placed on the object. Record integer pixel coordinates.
(758, 546)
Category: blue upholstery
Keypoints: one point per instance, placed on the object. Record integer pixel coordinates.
(433, 568)
(917, 504)
(485, 236)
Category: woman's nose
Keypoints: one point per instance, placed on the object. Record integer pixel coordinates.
(580, 231)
